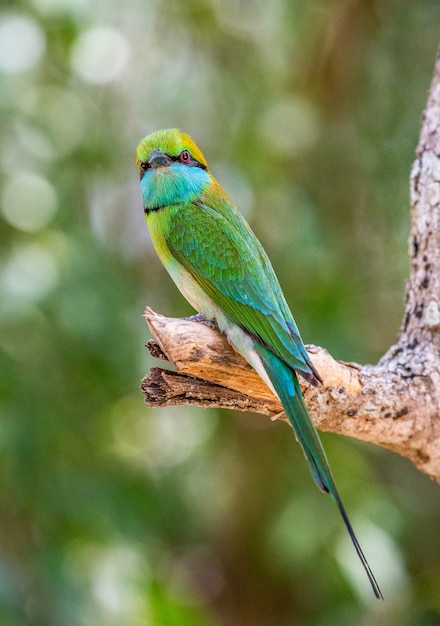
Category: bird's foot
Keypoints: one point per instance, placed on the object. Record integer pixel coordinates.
(201, 319)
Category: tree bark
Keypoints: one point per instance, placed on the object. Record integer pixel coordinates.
(394, 404)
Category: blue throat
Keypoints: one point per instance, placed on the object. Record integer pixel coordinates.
(175, 184)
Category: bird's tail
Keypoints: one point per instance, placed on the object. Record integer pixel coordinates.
(287, 387)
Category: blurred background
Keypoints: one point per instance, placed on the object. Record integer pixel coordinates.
(111, 513)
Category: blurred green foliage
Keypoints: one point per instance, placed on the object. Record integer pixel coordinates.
(110, 513)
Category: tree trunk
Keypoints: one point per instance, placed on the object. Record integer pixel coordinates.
(394, 404)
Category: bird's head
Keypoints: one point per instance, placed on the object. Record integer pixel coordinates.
(172, 169)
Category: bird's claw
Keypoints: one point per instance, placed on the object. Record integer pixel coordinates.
(201, 319)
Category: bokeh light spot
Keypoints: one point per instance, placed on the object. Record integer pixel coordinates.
(156, 443)
(31, 273)
(100, 54)
(29, 202)
(22, 44)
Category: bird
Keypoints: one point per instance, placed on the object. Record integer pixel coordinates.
(222, 270)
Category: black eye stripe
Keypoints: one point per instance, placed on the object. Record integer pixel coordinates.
(190, 163)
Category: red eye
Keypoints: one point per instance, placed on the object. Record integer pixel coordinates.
(185, 156)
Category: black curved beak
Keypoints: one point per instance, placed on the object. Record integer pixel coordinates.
(159, 159)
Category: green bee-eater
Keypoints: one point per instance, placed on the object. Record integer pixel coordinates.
(221, 268)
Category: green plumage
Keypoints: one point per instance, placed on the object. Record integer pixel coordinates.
(221, 268)
(236, 274)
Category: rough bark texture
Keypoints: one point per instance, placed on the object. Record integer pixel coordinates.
(394, 404)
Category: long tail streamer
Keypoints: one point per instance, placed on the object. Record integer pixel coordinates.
(287, 387)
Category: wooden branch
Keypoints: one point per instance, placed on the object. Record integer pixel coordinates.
(394, 404)
(210, 373)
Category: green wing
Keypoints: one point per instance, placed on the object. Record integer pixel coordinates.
(223, 255)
